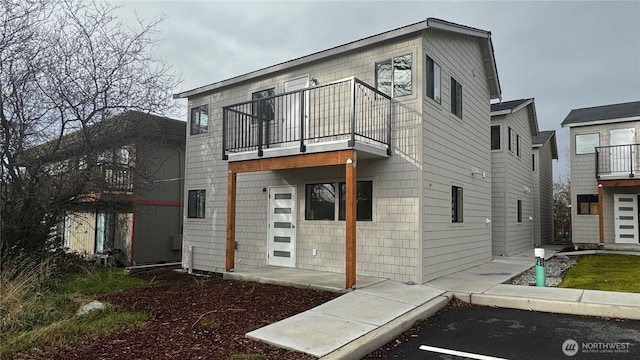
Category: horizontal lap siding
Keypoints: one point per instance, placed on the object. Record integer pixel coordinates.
(387, 247)
(545, 191)
(498, 198)
(451, 148)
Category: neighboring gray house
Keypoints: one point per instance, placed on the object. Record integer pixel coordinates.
(132, 200)
(271, 175)
(545, 150)
(513, 125)
(605, 163)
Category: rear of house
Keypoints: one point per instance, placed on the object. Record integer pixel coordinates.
(605, 164)
(545, 150)
(371, 158)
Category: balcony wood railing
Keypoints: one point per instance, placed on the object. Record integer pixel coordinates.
(343, 110)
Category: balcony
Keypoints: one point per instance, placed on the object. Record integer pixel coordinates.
(346, 114)
(617, 162)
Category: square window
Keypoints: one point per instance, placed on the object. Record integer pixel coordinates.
(364, 201)
(196, 204)
(495, 137)
(456, 204)
(199, 120)
(433, 80)
(394, 76)
(320, 202)
(588, 204)
(587, 143)
(263, 109)
(456, 98)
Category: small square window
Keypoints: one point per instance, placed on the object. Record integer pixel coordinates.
(199, 120)
(587, 204)
(456, 98)
(364, 203)
(433, 80)
(320, 202)
(196, 204)
(456, 204)
(495, 137)
(587, 143)
(394, 76)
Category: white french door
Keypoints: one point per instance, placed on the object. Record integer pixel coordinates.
(293, 108)
(281, 245)
(620, 157)
(625, 214)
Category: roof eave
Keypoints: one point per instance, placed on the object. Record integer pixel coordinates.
(600, 122)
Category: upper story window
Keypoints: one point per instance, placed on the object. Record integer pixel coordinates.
(394, 76)
(456, 204)
(511, 139)
(533, 162)
(456, 98)
(264, 109)
(587, 143)
(495, 137)
(518, 145)
(199, 120)
(433, 80)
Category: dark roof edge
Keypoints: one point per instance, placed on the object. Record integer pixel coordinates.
(374, 39)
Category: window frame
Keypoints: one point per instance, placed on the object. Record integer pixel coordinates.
(434, 82)
(360, 215)
(533, 162)
(391, 63)
(499, 139)
(198, 128)
(592, 202)
(457, 204)
(196, 204)
(258, 108)
(456, 98)
(517, 145)
(591, 150)
(311, 216)
(519, 211)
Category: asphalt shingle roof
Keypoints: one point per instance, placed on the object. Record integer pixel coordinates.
(605, 112)
(543, 137)
(512, 104)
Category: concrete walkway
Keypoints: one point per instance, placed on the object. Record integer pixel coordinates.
(362, 320)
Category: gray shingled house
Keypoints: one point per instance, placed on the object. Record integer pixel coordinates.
(605, 164)
(522, 178)
(369, 158)
(132, 200)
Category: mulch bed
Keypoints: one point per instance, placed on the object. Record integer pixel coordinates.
(193, 317)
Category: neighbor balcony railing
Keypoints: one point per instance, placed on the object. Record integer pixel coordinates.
(617, 161)
(343, 110)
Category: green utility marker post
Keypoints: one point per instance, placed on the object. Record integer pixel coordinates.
(540, 277)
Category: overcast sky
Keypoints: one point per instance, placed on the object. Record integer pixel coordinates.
(565, 54)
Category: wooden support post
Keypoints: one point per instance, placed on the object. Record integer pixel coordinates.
(350, 210)
(231, 221)
(601, 212)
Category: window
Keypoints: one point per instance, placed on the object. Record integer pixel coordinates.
(433, 80)
(495, 137)
(364, 203)
(456, 98)
(588, 204)
(511, 139)
(265, 109)
(320, 202)
(199, 120)
(519, 211)
(586, 143)
(456, 204)
(533, 162)
(518, 145)
(394, 76)
(196, 204)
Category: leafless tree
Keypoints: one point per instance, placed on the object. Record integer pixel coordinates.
(562, 209)
(64, 66)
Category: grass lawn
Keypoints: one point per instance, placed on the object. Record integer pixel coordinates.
(605, 272)
(36, 312)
